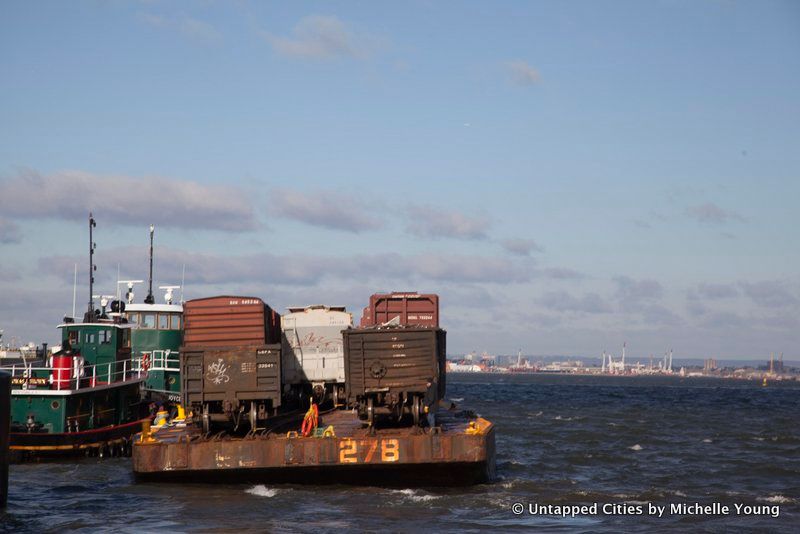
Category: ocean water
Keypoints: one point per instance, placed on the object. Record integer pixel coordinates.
(626, 443)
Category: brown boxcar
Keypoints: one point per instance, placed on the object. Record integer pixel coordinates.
(228, 321)
(411, 309)
(231, 384)
(394, 370)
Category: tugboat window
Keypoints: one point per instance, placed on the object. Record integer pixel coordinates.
(163, 321)
(133, 318)
(176, 322)
(89, 339)
(73, 337)
(148, 320)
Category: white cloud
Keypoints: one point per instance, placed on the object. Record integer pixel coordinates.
(199, 29)
(710, 213)
(327, 209)
(427, 221)
(769, 293)
(563, 301)
(632, 292)
(522, 73)
(192, 28)
(9, 231)
(71, 195)
(300, 269)
(321, 37)
(521, 247)
(715, 291)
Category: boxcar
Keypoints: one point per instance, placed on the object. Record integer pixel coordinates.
(231, 384)
(409, 308)
(231, 360)
(394, 371)
(313, 355)
(229, 321)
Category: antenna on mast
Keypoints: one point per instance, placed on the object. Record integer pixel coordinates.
(183, 277)
(74, 289)
(149, 299)
(90, 311)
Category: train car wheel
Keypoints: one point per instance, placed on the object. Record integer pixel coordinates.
(415, 410)
(370, 412)
(206, 420)
(253, 416)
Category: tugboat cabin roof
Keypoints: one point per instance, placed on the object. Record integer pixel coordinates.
(176, 308)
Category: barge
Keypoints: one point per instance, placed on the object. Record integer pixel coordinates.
(460, 450)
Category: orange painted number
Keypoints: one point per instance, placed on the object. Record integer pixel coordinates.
(390, 450)
(348, 452)
(371, 452)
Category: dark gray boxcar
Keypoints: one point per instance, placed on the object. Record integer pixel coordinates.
(223, 384)
(394, 370)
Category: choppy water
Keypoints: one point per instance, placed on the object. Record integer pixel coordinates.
(560, 440)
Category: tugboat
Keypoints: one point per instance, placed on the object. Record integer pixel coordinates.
(156, 337)
(87, 396)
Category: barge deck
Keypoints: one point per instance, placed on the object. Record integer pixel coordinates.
(459, 451)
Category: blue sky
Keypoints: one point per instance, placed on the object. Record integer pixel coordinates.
(566, 175)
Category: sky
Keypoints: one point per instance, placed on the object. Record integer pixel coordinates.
(567, 176)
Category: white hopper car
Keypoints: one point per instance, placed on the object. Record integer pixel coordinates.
(313, 353)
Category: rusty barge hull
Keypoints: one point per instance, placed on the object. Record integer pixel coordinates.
(460, 452)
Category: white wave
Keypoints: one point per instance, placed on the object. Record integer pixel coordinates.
(559, 418)
(417, 496)
(457, 399)
(777, 499)
(707, 440)
(537, 414)
(262, 491)
(636, 447)
(679, 493)
(759, 439)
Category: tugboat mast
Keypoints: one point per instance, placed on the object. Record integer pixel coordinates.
(90, 310)
(149, 299)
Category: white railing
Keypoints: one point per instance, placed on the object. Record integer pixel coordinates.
(77, 376)
(158, 360)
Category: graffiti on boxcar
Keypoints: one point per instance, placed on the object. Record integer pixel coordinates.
(218, 372)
